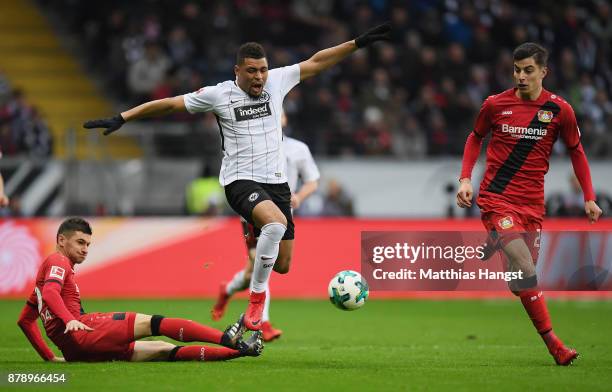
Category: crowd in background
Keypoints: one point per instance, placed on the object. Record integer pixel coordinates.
(23, 131)
(416, 96)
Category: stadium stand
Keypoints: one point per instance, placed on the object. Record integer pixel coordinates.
(416, 97)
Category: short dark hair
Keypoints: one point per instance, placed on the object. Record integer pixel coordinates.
(71, 225)
(531, 49)
(251, 50)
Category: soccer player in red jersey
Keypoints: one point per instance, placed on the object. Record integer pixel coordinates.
(524, 123)
(95, 337)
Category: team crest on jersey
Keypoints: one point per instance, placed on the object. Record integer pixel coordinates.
(505, 222)
(264, 97)
(57, 272)
(253, 196)
(545, 116)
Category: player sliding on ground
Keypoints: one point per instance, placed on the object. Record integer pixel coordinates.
(524, 123)
(248, 111)
(300, 166)
(95, 337)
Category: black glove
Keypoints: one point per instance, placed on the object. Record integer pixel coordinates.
(378, 33)
(111, 124)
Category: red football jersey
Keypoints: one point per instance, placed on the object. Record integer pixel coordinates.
(523, 134)
(56, 269)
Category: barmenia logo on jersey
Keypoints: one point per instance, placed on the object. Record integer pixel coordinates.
(524, 132)
(252, 111)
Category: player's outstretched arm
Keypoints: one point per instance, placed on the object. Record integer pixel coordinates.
(471, 152)
(329, 57)
(583, 173)
(155, 108)
(29, 326)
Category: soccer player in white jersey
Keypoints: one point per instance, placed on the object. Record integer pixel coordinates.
(300, 166)
(248, 111)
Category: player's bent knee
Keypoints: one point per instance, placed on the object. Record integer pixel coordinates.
(142, 325)
(152, 351)
(281, 268)
(283, 264)
(267, 212)
(155, 324)
(273, 231)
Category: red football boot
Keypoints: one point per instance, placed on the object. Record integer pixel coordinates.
(269, 332)
(253, 314)
(564, 356)
(218, 310)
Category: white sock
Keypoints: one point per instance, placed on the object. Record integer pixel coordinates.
(237, 283)
(266, 312)
(266, 254)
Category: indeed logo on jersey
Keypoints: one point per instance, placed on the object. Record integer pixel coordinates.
(524, 132)
(252, 111)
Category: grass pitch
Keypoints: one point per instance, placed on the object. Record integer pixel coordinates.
(460, 345)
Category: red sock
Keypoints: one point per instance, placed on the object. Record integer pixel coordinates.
(189, 331)
(552, 341)
(204, 353)
(534, 304)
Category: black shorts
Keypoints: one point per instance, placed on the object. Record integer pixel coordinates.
(244, 195)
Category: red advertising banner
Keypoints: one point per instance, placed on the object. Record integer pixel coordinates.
(190, 257)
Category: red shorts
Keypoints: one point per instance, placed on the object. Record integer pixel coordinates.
(506, 222)
(111, 340)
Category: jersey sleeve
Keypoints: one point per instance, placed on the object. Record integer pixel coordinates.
(56, 270)
(202, 100)
(570, 133)
(483, 122)
(307, 168)
(286, 77)
(55, 273)
(28, 324)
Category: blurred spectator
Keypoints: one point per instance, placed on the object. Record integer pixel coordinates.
(337, 202)
(22, 128)
(13, 209)
(148, 72)
(571, 203)
(204, 196)
(4, 199)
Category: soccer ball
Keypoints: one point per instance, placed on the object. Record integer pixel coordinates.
(348, 290)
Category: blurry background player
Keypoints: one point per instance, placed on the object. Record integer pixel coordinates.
(524, 123)
(97, 337)
(4, 200)
(300, 166)
(248, 112)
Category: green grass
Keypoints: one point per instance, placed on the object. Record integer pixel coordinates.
(387, 345)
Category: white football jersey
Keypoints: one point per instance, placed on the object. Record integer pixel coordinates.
(299, 163)
(251, 131)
